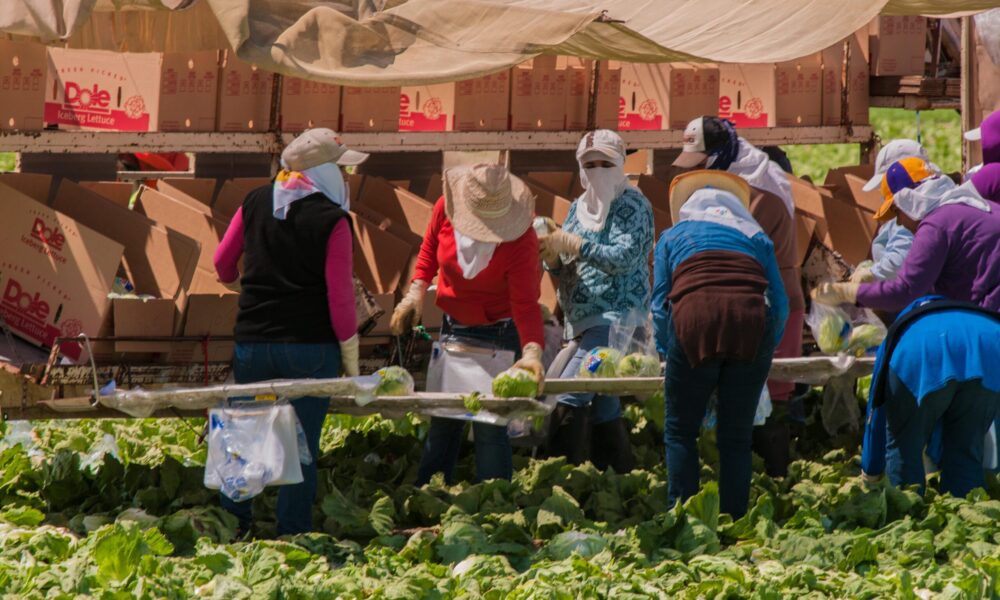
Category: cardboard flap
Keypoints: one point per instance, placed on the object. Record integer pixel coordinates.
(381, 260)
(850, 180)
(119, 192)
(146, 318)
(234, 192)
(435, 189)
(198, 193)
(36, 186)
(656, 191)
(548, 204)
(180, 216)
(408, 213)
(158, 260)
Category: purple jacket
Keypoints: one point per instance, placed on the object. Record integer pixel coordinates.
(987, 179)
(954, 254)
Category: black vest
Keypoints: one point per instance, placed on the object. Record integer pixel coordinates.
(284, 295)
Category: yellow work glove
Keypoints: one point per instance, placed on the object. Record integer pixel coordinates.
(410, 308)
(564, 243)
(836, 293)
(531, 361)
(862, 274)
(349, 357)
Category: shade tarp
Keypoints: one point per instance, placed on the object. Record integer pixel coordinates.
(393, 42)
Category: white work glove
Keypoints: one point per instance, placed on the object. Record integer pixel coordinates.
(531, 361)
(410, 309)
(836, 293)
(862, 274)
(232, 286)
(349, 357)
(563, 243)
(544, 226)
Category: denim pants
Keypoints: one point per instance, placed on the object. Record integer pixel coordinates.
(602, 408)
(492, 444)
(687, 390)
(965, 409)
(254, 362)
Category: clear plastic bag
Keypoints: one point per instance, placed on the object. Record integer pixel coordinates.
(631, 335)
(764, 410)
(841, 329)
(251, 447)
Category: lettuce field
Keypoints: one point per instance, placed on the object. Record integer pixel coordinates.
(116, 509)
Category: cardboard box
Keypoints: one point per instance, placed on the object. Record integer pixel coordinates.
(772, 95)
(483, 103)
(408, 214)
(207, 315)
(146, 318)
(158, 261)
(381, 260)
(387, 302)
(22, 85)
(833, 83)
(435, 189)
(667, 95)
(55, 273)
(95, 90)
(234, 192)
(119, 192)
(189, 90)
(898, 45)
(196, 193)
(850, 181)
(427, 107)
(37, 186)
(244, 96)
(548, 203)
(840, 225)
(656, 191)
(564, 183)
(538, 95)
(549, 297)
(369, 109)
(199, 225)
(432, 317)
(306, 104)
(580, 83)
(805, 230)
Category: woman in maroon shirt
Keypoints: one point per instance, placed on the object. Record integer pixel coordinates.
(484, 253)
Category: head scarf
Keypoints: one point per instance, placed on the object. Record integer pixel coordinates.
(718, 206)
(601, 187)
(934, 193)
(292, 186)
(720, 158)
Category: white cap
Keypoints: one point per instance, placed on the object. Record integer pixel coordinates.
(894, 151)
(315, 147)
(602, 142)
(693, 152)
(974, 135)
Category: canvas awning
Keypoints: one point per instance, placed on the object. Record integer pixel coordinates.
(391, 42)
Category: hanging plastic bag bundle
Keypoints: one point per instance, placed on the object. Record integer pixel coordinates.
(631, 335)
(841, 329)
(252, 447)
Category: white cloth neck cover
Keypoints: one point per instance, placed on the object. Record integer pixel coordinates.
(934, 193)
(761, 172)
(325, 178)
(720, 207)
(473, 256)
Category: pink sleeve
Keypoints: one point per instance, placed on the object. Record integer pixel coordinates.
(340, 280)
(227, 255)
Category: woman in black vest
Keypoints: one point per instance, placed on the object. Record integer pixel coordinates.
(296, 317)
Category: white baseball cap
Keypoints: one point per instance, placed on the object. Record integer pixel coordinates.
(701, 137)
(602, 143)
(315, 147)
(892, 152)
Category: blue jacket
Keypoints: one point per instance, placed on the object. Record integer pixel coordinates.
(889, 249)
(688, 238)
(946, 346)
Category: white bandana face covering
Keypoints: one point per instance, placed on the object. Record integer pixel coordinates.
(473, 256)
(602, 185)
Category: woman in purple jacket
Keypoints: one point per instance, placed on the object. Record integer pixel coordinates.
(954, 252)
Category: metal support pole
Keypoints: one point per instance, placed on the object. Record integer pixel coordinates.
(968, 89)
(595, 86)
(278, 84)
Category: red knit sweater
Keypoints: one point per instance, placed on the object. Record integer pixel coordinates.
(509, 287)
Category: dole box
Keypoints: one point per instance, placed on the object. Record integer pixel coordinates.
(55, 274)
(98, 90)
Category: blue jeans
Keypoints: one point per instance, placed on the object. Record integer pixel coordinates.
(444, 439)
(965, 409)
(687, 391)
(255, 362)
(602, 408)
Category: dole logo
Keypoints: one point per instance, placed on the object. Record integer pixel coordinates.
(79, 97)
(51, 237)
(33, 306)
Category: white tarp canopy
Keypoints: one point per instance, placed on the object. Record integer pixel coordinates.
(390, 42)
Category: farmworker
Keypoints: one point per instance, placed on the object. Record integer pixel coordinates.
(484, 252)
(986, 177)
(956, 234)
(715, 143)
(936, 368)
(601, 258)
(893, 241)
(296, 315)
(719, 307)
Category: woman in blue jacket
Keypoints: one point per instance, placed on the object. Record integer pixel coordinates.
(935, 376)
(719, 308)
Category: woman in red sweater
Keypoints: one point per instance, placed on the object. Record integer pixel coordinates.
(484, 253)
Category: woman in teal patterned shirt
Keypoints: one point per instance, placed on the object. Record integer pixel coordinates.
(601, 257)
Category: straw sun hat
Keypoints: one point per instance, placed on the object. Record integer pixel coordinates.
(487, 203)
(686, 184)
